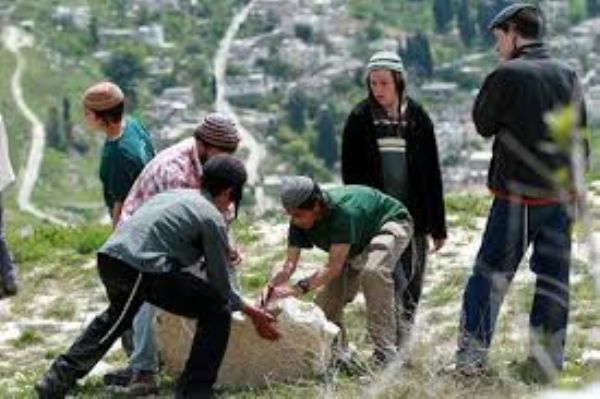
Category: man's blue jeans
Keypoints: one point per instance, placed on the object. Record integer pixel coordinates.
(144, 356)
(511, 228)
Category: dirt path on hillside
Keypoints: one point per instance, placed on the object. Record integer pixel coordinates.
(14, 39)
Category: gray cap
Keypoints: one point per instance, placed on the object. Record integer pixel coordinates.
(509, 12)
(295, 190)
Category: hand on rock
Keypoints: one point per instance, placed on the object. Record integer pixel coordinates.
(264, 322)
(283, 291)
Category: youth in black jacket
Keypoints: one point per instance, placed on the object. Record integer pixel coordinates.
(511, 106)
(361, 163)
(389, 144)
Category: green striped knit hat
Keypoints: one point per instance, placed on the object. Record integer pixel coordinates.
(386, 60)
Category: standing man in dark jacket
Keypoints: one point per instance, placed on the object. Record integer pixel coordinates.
(389, 144)
(529, 206)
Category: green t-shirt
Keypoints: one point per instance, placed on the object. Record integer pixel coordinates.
(123, 159)
(356, 214)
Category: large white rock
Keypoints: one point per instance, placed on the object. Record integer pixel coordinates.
(303, 351)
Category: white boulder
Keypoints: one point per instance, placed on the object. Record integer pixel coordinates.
(303, 351)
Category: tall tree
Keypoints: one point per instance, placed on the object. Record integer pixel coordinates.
(326, 146)
(486, 10)
(125, 68)
(442, 14)
(53, 129)
(466, 25)
(593, 8)
(417, 54)
(296, 110)
(94, 36)
(67, 124)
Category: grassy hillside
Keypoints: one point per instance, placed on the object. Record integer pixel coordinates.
(42, 321)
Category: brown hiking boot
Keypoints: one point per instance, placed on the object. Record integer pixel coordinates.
(142, 383)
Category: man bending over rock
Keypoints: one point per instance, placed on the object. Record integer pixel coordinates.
(142, 261)
(365, 232)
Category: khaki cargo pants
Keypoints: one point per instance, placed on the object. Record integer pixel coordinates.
(372, 269)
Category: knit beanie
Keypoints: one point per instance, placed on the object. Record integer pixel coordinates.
(386, 60)
(219, 131)
(103, 96)
(295, 190)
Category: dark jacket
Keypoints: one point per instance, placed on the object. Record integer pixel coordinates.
(512, 105)
(361, 163)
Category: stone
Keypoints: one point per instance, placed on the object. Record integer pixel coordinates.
(303, 351)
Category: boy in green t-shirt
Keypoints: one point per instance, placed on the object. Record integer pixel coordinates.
(127, 148)
(365, 232)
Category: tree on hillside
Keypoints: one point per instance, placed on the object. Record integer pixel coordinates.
(67, 124)
(296, 110)
(417, 54)
(326, 146)
(304, 32)
(93, 29)
(486, 10)
(593, 8)
(442, 14)
(125, 68)
(53, 129)
(466, 25)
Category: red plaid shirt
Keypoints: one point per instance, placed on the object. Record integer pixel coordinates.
(175, 167)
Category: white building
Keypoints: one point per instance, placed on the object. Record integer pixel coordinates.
(77, 16)
(153, 35)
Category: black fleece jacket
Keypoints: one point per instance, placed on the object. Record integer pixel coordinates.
(512, 106)
(361, 164)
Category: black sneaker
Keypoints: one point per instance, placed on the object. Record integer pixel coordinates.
(47, 388)
(119, 377)
(10, 287)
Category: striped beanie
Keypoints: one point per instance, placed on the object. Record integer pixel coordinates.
(219, 131)
(103, 96)
(386, 60)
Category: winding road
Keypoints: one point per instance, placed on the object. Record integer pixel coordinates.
(14, 39)
(256, 150)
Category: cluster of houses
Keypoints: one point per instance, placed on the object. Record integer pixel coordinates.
(316, 39)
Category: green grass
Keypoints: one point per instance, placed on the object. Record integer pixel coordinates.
(28, 338)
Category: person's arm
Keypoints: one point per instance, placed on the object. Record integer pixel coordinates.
(490, 104)
(436, 209)
(125, 176)
(338, 254)
(264, 322)
(116, 213)
(352, 150)
(288, 268)
(216, 255)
